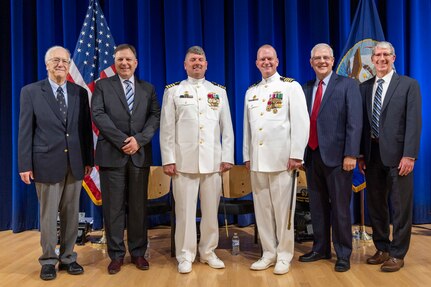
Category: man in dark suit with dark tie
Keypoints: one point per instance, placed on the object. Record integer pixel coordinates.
(335, 108)
(55, 149)
(127, 114)
(390, 145)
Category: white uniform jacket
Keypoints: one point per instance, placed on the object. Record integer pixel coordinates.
(196, 128)
(276, 124)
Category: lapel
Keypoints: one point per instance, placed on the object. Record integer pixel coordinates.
(140, 95)
(72, 100)
(369, 98)
(50, 98)
(309, 94)
(391, 89)
(333, 80)
(119, 91)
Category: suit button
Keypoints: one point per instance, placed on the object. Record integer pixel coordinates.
(67, 135)
(260, 129)
(200, 98)
(261, 143)
(65, 150)
(201, 127)
(261, 114)
(263, 100)
(201, 142)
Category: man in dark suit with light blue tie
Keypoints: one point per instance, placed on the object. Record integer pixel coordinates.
(55, 149)
(390, 145)
(335, 108)
(127, 114)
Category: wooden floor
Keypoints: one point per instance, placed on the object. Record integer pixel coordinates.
(19, 265)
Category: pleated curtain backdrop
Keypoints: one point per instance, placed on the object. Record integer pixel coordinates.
(230, 31)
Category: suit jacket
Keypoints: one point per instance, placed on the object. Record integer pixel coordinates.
(276, 124)
(196, 128)
(115, 123)
(339, 121)
(400, 120)
(46, 145)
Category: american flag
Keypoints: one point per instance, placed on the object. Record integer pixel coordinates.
(93, 59)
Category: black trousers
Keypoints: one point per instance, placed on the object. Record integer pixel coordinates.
(124, 202)
(386, 188)
(330, 191)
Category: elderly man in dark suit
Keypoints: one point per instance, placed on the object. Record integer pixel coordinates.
(55, 149)
(390, 145)
(127, 114)
(335, 108)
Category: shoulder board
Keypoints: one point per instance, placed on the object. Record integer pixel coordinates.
(172, 85)
(253, 85)
(285, 79)
(218, 85)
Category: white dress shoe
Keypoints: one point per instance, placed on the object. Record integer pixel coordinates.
(185, 267)
(213, 261)
(262, 264)
(282, 267)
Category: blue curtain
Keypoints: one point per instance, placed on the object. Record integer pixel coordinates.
(230, 32)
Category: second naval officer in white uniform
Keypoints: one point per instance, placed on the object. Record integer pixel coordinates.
(276, 127)
(197, 144)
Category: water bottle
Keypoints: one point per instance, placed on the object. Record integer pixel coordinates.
(147, 254)
(235, 244)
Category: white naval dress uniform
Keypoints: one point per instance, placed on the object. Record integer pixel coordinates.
(276, 128)
(196, 134)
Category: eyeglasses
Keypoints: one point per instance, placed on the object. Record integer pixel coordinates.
(385, 55)
(321, 58)
(57, 61)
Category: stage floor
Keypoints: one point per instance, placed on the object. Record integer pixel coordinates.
(19, 265)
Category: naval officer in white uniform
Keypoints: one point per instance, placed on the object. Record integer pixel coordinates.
(276, 127)
(197, 144)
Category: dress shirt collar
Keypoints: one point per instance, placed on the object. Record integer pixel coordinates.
(131, 79)
(271, 79)
(194, 81)
(325, 80)
(387, 78)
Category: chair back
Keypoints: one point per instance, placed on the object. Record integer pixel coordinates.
(236, 182)
(159, 184)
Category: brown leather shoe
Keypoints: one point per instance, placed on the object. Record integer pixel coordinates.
(140, 262)
(378, 258)
(392, 264)
(115, 266)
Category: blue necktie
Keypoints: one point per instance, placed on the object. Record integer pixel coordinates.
(377, 108)
(62, 103)
(130, 95)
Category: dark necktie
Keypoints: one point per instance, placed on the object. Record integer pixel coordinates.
(377, 108)
(313, 141)
(130, 95)
(62, 103)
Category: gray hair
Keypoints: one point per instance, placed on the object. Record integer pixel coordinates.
(195, 50)
(322, 45)
(384, 45)
(50, 50)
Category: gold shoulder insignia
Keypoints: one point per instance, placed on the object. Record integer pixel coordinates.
(218, 85)
(172, 85)
(285, 79)
(253, 85)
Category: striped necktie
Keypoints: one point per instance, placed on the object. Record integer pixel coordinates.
(130, 95)
(62, 103)
(377, 108)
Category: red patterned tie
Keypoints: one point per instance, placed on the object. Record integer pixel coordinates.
(313, 142)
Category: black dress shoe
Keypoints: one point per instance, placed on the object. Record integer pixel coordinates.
(140, 262)
(72, 268)
(342, 265)
(313, 256)
(48, 272)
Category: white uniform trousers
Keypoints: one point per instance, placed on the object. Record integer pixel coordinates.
(186, 187)
(271, 196)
